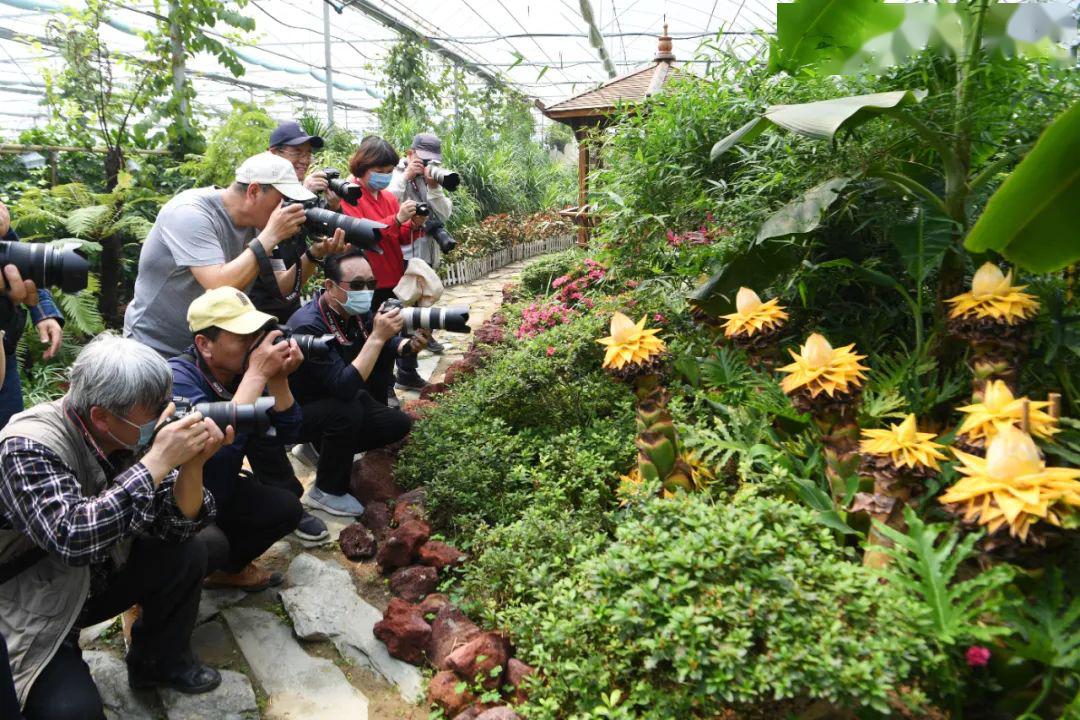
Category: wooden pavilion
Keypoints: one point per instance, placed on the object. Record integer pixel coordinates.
(593, 110)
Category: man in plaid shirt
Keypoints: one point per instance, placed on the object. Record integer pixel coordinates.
(100, 500)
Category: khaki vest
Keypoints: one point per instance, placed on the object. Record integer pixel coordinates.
(39, 606)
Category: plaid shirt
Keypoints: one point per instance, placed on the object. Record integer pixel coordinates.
(41, 498)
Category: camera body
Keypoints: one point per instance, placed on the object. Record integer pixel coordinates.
(63, 267)
(453, 319)
(423, 209)
(320, 221)
(347, 191)
(248, 418)
(312, 346)
(447, 178)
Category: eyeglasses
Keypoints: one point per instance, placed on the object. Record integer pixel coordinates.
(294, 154)
(359, 284)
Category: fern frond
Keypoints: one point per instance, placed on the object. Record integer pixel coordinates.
(80, 309)
(89, 222)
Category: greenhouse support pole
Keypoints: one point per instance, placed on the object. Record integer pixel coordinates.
(329, 71)
(179, 67)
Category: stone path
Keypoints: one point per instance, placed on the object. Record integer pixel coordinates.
(305, 650)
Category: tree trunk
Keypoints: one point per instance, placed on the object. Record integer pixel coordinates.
(112, 248)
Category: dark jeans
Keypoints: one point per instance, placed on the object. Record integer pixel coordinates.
(166, 579)
(254, 518)
(11, 397)
(381, 381)
(341, 428)
(269, 461)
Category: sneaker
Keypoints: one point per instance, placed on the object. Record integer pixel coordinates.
(392, 398)
(311, 528)
(409, 381)
(251, 579)
(436, 347)
(306, 454)
(341, 505)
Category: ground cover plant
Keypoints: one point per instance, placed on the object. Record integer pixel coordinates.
(848, 468)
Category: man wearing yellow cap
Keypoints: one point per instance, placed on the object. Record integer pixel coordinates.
(235, 358)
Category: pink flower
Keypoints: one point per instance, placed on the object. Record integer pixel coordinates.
(632, 284)
(550, 351)
(559, 281)
(977, 656)
(659, 318)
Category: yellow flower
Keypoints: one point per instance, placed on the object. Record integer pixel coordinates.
(752, 315)
(630, 343)
(820, 368)
(1012, 486)
(701, 474)
(994, 296)
(904, 444)
(999, 407)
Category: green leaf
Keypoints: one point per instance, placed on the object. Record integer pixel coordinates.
(826, 33)
(803, 214)
(758, 267)
(1031, 219)
(821, 119)
(820, 501)
(922, 243)
(1047, 625)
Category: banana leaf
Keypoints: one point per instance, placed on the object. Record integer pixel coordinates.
(821, 119)
(803, 214)
(758, 267)
(1032, 218)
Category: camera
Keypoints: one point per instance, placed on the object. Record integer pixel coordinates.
(454, 319)
(347, 191)
(447, 178)
(312, 346)
(244, 417)
(319, 221)
(63, 267)
(423, 209)
(435, 229)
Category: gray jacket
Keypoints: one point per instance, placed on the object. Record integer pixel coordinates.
(39, 606)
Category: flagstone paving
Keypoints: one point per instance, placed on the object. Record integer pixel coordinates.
(305, 650)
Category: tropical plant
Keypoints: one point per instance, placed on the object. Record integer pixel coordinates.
(245, 132)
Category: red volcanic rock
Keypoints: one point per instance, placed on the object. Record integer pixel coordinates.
(414, 583)
(516, 672)
(432, 389)
(442, 692)
(376, 516)
(401, 545)
(373, 477)
(432, 604)
(404, 632)
(500, 712)
(357, 542)
(476, 660)
(439, 555)
(450, 630)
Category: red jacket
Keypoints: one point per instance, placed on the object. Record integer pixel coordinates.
(383, 207)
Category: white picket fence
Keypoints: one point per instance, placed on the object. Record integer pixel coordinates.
(465, 271)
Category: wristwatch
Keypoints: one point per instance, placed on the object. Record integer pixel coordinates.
(311, 256)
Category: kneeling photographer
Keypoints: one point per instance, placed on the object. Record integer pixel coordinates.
(235, 359)
(343, 396)
(95, 517)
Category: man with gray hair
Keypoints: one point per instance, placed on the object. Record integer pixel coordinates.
(100, 498)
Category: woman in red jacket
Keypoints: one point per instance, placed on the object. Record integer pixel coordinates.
(372, 165)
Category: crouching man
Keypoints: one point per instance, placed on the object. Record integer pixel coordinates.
(235, 358)
(95, 517)
(343, 397)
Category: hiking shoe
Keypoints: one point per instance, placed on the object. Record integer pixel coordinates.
(306, 454)
(342, 505)
(251, 579)
(436, 347)
(409, 381)
(311, 528)
(192, 678)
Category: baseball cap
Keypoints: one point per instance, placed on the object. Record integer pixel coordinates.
(226, 308)
(266, 168)
(290, 133)
(427, 146)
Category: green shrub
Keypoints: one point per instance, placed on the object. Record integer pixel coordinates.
(536, 278)
(697, 607)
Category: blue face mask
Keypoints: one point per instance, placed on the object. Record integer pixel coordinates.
(146, 433)
(358, 302)
(378, 180)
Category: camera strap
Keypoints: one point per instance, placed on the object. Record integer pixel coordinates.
(208, 376)
(88, 438)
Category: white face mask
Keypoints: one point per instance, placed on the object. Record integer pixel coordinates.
(146, 433)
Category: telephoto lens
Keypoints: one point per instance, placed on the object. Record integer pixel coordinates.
(453, 319)
(64, 267)
(435, 229)
(447, 178)
(312, 346)
(359, 232)
(347, 191)
(246, 418)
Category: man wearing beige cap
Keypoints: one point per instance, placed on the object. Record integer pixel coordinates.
(235, 358)
(207, 238)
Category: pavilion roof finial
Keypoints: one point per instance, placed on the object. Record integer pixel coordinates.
(663, 48)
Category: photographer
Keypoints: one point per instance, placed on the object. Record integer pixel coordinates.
(207, 238)
(292, 262)
(343, 398)
(43, 313)
(234, 359)
(93, 519)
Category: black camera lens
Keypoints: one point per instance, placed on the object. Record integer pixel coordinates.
(435, 229)
(347, 191)
(65, 268)
(360, 232)
(423, 209)
(246, 418)
(311, 346)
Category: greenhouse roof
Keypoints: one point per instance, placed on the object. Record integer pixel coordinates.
(547, 51)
